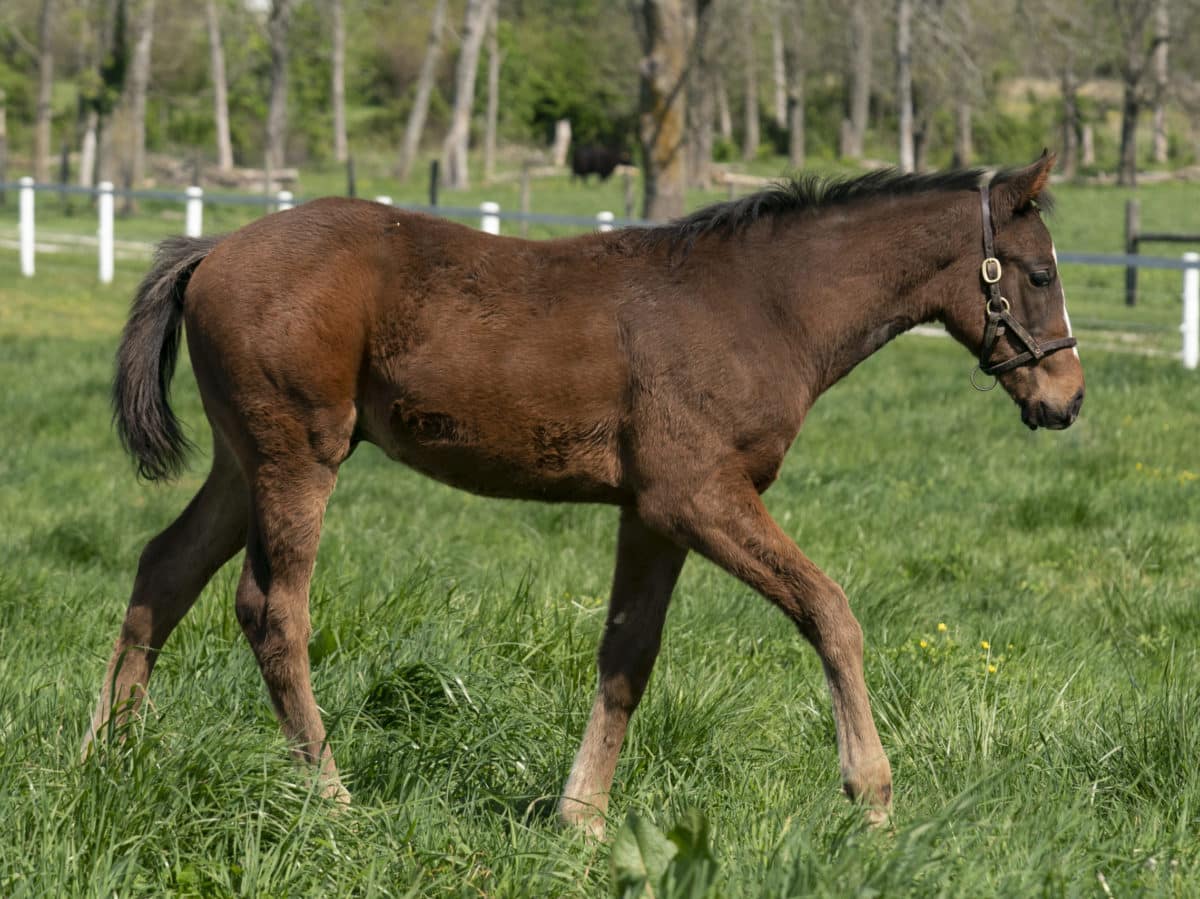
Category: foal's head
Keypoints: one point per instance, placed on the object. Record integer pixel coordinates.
(1020, 291)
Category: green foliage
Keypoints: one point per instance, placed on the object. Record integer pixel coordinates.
(547, 75)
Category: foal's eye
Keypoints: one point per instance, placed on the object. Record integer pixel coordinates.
(1041, 278)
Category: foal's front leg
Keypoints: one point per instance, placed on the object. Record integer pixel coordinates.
(726, 521)
(647, 567)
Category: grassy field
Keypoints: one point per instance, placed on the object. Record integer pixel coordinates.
(1029, 604)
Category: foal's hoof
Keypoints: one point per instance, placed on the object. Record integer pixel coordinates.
(875, 795)
(579, 817)
(336, 794)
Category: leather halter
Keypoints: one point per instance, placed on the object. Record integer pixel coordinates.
(999, 316)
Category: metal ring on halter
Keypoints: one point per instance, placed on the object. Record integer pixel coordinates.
(975, 383)
(983, 269)
(1005, 306)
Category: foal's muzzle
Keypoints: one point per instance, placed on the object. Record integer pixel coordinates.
(1042, 415)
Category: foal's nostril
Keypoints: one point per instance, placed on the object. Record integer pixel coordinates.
(1076, 404)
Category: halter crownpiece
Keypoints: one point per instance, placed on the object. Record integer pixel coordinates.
(998, 310)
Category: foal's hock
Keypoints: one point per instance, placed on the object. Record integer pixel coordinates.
(663, 370)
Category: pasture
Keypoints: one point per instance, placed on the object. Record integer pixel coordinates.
(1028, 600)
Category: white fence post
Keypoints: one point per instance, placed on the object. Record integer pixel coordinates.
(604, 221)
(1191, 311)
(195, 212)
(285, 198)
(384, 199)
(26, 227)
(105, 206)
(489, 221)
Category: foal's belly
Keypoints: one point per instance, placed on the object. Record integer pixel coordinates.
(496, 446)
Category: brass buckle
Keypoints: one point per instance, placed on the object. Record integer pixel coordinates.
(1005, 306)
(983, 269)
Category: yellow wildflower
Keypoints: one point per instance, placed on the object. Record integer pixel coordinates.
(984, 644)
(941, 627)
(923, 644)
(991, 669)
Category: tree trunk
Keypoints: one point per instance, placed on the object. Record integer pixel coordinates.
(493, 95)
(416, 117)
(904, 101)
(278, 25)
(220, 89)
(795, 96)
(701, 113)
(750, 134)
(702, 138)
(139, 79)
(1131, 106)
(3, 145)
(87, 149)
(779, 66)
(964, 148)
(663, 26)
(724, 118)
(45, 94)
(860, 79)
(1162, 37)
(455, 172)
(1070, 136)
(341, 147)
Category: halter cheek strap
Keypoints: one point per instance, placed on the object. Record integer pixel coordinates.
(998, 309)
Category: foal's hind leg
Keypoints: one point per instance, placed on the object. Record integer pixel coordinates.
(727, 522)
(173, 569)
(647, 567)
(289, 500)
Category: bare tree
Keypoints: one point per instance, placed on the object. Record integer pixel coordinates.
(455, 171)
(139, 79)
(102, 87)
(1162, 38)
(493, 94)
(779, 66)
(1132, 16)
(279, 23)
(220, 89)
(341, 147)
(1070, 123)
(670, 31)
(701, 114)
(904, 94)
(45, 93)
(794, 28)
(750, 133)
(855, 129)
(420, 108)
(724, 118)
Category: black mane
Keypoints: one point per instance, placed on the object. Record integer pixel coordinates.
(809, 192)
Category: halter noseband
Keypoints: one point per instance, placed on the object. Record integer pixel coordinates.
(999, 317)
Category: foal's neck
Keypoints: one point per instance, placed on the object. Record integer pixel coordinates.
(858, 275)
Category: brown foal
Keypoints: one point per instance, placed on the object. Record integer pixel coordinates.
(663, 370)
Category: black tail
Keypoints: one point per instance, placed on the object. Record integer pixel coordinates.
(149, 430)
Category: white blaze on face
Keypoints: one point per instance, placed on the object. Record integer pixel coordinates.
(1066, 316)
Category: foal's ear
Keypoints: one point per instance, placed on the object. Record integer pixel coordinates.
(1020, 189)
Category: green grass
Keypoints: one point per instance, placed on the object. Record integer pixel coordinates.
(455, 638)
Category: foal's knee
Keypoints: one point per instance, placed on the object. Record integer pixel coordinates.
(827, 622)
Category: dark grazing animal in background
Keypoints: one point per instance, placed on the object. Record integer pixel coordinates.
(663, 370)
(594, 159)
